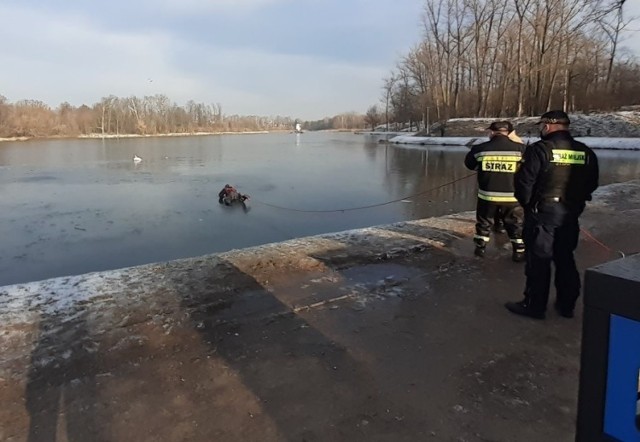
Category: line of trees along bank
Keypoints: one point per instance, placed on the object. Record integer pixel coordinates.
(486, 58)
(133, 115)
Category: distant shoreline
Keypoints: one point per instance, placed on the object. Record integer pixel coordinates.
(116, 136)
(178, 134)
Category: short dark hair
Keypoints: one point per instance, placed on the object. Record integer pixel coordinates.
(501, 125)
(555, 117)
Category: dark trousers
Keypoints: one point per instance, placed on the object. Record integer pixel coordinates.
(510, 214)
(551, 237)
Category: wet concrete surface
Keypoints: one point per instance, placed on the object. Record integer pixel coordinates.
(392, 333)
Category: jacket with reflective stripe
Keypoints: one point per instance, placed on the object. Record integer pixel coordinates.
(557, 167)
(496, 162)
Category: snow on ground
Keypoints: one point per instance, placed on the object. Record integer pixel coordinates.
(22, 301)
(624, 124)
(611, 130)
(593, 142)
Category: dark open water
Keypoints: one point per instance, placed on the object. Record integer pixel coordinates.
(74, 206)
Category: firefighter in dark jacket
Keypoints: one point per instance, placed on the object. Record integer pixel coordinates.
(496, 162)
(556, 178)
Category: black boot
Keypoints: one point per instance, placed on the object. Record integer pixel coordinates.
(518, 255)
(563, 311)
(480, 246)
(521, 308)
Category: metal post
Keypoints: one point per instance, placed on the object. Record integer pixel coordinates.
(428, 125)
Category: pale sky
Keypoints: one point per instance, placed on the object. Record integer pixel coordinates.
(300, 58)
(631, 37)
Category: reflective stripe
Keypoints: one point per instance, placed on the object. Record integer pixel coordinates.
(508, 158)
(563, 156)
(517, 241)
(498, 160)
(497, 197)
(499, 153)
(498, 165)
(483, 238)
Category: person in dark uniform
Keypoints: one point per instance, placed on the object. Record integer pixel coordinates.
(228, 195)
(557, 176)
(496, 162)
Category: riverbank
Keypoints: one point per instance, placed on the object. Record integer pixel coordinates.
(593, 142)
(185, 134)
(393, 332)
(623, 123)
(618, 130)
(118, 136)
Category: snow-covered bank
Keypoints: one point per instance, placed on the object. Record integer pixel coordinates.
(623, 124)
(15, 139)
(593, 142)
(115, 136)
(383, 133)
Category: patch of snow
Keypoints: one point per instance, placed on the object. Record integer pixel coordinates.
(58, 295)
(378, 133)
(605, 193)
(593, 142)
(624, 124)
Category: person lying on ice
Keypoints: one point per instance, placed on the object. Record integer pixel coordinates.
(228, 195)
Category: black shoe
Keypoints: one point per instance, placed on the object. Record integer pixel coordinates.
(479, 251)
(518, 256)
(564, 312)
(520, 308)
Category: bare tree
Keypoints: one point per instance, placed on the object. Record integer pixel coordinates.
(388, 84)
(372, 117)
(506, 57)
(612, 24)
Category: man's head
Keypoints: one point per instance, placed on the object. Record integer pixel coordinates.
(553, 121)
(500, 128)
